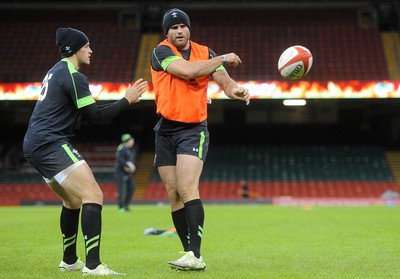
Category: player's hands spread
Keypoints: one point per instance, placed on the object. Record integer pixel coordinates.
(241, 93)
(232, 59)
(135, 91)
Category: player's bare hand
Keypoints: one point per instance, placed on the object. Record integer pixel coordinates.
(241, 93)
(232, 59)
(135, 91)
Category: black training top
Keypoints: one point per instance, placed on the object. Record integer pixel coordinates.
(65, 101)
(123, 155)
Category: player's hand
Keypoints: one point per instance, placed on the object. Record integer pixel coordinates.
(135, 91)
(232, 59)
(241, 93)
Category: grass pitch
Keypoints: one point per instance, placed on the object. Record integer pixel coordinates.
(239, 241)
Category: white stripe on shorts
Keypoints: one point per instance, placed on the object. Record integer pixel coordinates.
(62, 175)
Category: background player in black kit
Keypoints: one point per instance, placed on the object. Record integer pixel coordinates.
(124, 169)
(65, 101)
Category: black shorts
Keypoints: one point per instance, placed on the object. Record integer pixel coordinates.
(191, 141)
(50, 165)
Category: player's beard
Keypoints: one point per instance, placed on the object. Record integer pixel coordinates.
(181, 43)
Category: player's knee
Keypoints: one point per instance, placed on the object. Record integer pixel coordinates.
(173, 196)
(98, 196)
(189, 193)
(95, 195)
(72, 202)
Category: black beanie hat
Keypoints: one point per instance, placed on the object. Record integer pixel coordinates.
(70, 40)
(175, 16)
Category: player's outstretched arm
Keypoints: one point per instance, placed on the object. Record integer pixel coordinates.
(193, 69)
(103, 114)
(230, 87)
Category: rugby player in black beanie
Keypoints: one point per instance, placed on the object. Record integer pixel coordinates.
(66, 101)
(181, 70)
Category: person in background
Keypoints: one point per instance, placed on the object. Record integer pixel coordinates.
(181, 70)
(124, 169)
(245, 192)
(65, 101)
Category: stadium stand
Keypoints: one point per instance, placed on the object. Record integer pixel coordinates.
(37, 193)
(319, 171)
(28, 187)
(100, 155)
(391, 44)
(342, 50)
(22, 184)
(335, 171)
(31, 36)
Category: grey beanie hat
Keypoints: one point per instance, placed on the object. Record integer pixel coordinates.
(175, 16)
(70, 40)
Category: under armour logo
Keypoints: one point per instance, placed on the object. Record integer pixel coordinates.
(68, 48)
(174, 14)
(195, 149)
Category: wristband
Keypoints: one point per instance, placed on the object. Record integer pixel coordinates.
(224, 58)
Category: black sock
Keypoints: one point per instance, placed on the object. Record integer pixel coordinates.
(69, 223)
(91, 229)
(195, 218)
(181, 226)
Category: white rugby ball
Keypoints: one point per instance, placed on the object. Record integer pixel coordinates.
(130, 167)
(295, 62)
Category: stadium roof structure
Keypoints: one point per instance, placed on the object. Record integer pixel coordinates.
(190, 4)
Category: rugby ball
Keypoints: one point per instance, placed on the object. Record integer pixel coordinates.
(129, 167)
(295, 62)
